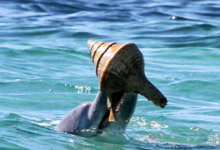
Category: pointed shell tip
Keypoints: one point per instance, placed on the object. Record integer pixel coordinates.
(90, 43)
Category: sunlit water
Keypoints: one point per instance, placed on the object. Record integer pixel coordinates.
(46, 70)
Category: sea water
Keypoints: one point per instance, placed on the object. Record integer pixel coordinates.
(46, 70)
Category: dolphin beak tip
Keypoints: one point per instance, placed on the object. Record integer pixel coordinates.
(163, 102)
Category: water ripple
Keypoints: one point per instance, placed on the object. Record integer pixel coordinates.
(44, 56)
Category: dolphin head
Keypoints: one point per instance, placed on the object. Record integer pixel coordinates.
(92, 118)
(108, 112)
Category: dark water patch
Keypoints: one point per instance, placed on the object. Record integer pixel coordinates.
(70, 52)
(39, 33)
(188, 147)
(179, 41)
(196, 28)
(33, 27)
(66, 8)
(154, 14)
(210, 14)
(2, 84)
(38, 51)
(193, 44)
(28, 52)
(85, 35)
(191, 41)
(30, 7)
(180, 34)
(28, 33)
(211, 40)
(112, 16)
(37, 8)
(7, 52)
(12, 116)
(103, 5)
(183, 18)
(57, 7)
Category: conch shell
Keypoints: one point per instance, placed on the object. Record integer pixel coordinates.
(120, 68)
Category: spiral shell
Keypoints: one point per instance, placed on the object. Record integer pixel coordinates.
(120, 67)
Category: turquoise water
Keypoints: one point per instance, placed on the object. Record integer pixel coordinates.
(46, 70)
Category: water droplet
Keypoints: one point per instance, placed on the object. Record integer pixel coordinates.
(173, 17)
(18, 79)
(71, 140)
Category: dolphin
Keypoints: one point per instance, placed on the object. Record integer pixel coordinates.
(90, 119)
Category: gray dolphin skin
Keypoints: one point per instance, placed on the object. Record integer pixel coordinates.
(91, 118)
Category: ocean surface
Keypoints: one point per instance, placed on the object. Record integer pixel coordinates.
(46, 70)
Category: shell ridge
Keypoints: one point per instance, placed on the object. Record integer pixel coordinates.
(96, 50)
(93, 46)
(97, 64)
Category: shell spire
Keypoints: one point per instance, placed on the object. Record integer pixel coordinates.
(120, 68)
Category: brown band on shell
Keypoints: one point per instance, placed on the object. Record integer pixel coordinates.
(93, 57)
(94, 46)
(104, 48)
